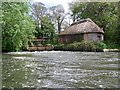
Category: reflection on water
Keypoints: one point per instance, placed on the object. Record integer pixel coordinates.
(60, 69)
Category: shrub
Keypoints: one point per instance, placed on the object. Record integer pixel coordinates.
(83, 46)
(113, 46)
(80, 46)
(102, 45)
(59, 47)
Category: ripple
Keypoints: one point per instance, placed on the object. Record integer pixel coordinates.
(23, 58)
(60, 69)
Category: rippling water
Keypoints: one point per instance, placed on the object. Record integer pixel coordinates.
(58, 69)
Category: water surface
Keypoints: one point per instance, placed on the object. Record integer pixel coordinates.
(58, 69)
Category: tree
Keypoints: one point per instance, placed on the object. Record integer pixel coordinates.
(118, 25)
(48, 30)
(44, 27)
(17, 26)
(57, 15)
(102, 13)
(38, 10)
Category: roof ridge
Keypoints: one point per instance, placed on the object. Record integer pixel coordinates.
(81, 21)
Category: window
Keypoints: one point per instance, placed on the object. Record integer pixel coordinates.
(99, 38)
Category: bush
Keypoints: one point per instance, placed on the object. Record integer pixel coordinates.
(86, 46)
(102, 45)
(80, 46)
(90, 46)
(59, 47)
(113, 46)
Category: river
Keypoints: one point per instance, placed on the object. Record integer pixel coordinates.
(60, 69)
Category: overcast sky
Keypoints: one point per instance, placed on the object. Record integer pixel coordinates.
(49, 3)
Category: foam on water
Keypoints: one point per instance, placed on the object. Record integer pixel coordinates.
(60, 69)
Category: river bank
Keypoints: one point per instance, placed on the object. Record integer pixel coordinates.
(111, 50)
(56, 49)
(88, 46)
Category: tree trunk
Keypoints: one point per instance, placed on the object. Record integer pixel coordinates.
(59, 27)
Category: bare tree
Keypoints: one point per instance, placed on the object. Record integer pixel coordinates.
(57, 15)
(38, 11)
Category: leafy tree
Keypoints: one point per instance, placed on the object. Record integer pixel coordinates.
(105, 14)
(44, 27)
(48, 30)
(118, 27)
(17, 26)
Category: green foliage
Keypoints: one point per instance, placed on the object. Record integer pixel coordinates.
(105, 14)
(44, 25)
(102, 45)
(17, 26)
(113, 46)
(59, 47)
(90, 46)
(47, 31)
(84, 46)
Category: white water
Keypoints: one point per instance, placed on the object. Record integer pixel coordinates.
(60, 69)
